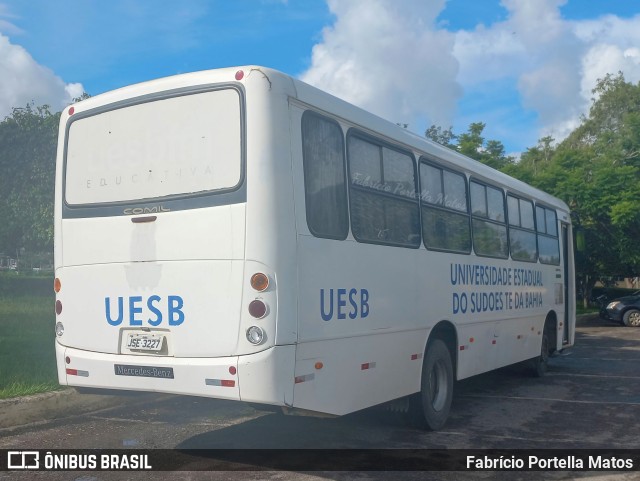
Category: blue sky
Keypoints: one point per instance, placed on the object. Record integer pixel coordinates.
(524, 67)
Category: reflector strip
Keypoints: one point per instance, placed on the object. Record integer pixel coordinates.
(493, 342)
(77, 372)
(220, 382)
(367, 365)
(416, 356)
(304, 378)
(466, 346)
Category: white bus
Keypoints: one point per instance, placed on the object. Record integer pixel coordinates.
(238, 234)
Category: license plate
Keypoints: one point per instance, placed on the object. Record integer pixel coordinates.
(145, 342)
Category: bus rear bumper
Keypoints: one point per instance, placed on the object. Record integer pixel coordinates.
(263, 377)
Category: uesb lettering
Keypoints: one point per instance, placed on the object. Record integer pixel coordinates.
(344, 303)
(152, 311)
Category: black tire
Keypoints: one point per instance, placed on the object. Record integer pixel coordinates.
(631, 318)
(430, 407)
(540, 364)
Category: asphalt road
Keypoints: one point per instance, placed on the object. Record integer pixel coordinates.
(589, 399)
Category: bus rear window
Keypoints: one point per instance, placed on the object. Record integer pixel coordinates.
(180, 145)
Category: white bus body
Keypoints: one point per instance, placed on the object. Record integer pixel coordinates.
(376, 243)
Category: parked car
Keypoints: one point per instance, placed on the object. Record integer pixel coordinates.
(625, 310)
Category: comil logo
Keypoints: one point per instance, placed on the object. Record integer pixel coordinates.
(23, 460)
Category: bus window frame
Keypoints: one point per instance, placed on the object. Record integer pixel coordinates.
(519, 227)
(505, 223)
(175, 202)
(433, 163)
(380, 143)
(544, 234)
(345, 189)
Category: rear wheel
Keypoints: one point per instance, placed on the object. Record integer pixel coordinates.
(631, 318)
(430, 408)
(541, 363)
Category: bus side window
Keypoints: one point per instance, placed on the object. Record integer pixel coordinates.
(489, 223)
(547, 228)
(382, 193)
(445, 212)
(522, 234)
(324, 177)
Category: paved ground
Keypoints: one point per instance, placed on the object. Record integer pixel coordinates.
(589, 399)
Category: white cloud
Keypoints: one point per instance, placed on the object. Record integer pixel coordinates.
(555, 62)
(395, 59)
(613, 47)
(388, 57)
(25, 81)
(536, 49)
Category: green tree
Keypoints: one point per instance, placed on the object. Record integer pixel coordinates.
(472, 144)
(441, 136)
(596, 170)
(27, 161)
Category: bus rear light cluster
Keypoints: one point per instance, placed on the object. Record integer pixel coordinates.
(255, 335)
(260, 281)
(57, 287)
(257, 309)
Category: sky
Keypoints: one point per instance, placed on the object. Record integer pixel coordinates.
(526, 68)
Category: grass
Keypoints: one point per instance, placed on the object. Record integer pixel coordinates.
(27, 353)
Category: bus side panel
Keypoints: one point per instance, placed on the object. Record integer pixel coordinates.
(349, 289)
(339, 376)
(491, 345)
(360, 316)
(267, 377)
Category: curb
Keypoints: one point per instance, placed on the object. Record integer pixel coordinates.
(47, 406)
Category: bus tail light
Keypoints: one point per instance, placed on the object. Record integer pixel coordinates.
(58, 307)
(255, 335)
(57, 285)
(59, 329)
(257, 309)
(260, 281)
